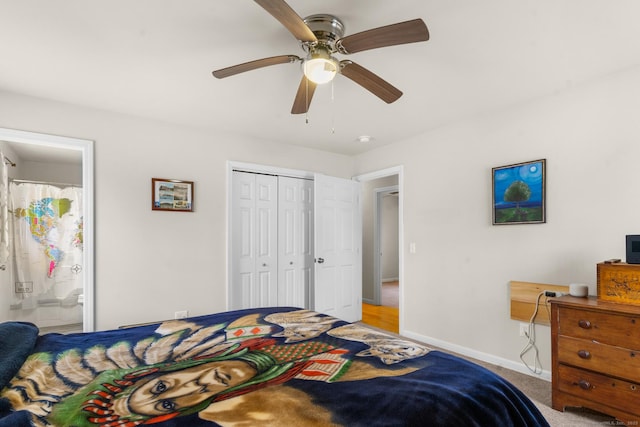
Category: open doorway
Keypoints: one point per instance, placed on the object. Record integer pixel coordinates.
(46, 271)
(382, 265)
(386, 246)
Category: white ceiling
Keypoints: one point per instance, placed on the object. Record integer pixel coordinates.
(153, 58)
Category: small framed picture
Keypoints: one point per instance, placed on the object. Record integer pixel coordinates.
(519, 193)
(171, 195)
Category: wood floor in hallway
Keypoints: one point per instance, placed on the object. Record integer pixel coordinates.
(381, 316)
(384, 316)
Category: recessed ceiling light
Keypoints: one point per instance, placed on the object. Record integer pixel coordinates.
(365, 138)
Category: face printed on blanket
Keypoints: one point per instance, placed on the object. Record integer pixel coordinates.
(157, 393)
(176, 391)
(232, 360)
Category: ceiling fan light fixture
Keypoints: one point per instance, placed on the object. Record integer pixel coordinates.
(320, 67)
(320, 37)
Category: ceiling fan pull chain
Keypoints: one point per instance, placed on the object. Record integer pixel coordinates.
(333, 111)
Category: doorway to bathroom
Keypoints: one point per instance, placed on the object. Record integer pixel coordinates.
(46, 223)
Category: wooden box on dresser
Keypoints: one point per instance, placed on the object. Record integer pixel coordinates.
(595, 352)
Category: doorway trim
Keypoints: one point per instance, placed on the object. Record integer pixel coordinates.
(395, 170)
(85, 146)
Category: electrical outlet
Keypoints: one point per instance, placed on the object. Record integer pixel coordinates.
(181, 314)
(524, 330)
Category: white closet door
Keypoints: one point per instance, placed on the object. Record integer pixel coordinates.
(338, 244)
(277, 226)
(295, 241)
(254, 243)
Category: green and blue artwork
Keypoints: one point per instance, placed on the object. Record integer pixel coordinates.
(519, 193)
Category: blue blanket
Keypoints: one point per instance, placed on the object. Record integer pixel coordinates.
(16, 343)
(271, 366)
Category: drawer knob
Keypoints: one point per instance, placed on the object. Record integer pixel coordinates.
(584, 384)
(584, 324)
(584, 354)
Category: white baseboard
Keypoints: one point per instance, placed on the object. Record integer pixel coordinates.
(484, 357)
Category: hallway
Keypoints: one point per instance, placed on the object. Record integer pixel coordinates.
(385, 316)
(389, 294)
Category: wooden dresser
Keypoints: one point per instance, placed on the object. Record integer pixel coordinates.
(595, 351)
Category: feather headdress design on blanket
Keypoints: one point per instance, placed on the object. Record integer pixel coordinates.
(185, 368)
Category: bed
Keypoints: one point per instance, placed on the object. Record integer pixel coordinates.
(279, 366)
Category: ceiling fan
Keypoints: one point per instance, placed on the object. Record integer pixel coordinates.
(321, 36)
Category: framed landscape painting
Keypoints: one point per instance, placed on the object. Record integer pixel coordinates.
(519, 193)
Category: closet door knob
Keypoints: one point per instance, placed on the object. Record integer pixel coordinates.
(264, 264)
(320, 260)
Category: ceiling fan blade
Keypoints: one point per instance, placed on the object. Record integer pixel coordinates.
(252, 65)
(370, 81)
(303, 96)
(280, 10)
(390, 35)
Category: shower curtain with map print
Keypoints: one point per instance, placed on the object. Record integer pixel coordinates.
(47, 243)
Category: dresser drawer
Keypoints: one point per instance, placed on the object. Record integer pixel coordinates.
(607, 359)
(612, 392)
(603, 327)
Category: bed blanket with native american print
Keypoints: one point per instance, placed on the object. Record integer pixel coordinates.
(279, 366)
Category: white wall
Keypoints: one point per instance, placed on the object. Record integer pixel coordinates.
(51, 172)
(456, 287)
(150, 264)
